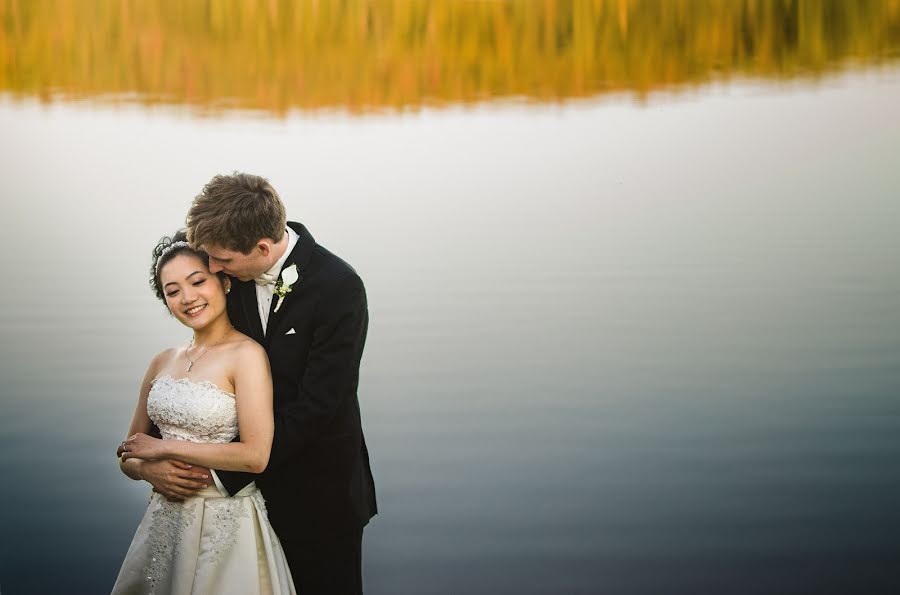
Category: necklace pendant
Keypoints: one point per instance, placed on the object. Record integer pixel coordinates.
(190, 365)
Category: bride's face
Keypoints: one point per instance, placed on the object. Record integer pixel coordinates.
(193, 294)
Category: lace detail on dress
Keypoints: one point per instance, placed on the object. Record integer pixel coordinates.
(183, 409)
(170, 521)
(226, 512)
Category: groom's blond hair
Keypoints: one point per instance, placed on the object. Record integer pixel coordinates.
(235, 212)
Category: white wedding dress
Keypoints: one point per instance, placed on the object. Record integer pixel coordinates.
(210, 544)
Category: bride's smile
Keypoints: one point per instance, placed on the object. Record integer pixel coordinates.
(195, 310)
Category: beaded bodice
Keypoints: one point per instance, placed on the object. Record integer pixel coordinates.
(200, 411)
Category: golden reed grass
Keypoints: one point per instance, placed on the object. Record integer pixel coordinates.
(373, 55)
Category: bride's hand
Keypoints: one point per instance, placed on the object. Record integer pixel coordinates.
(142, 446)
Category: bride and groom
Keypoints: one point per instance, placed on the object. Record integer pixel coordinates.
(260, 470)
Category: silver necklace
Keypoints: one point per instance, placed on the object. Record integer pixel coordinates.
(191, 362)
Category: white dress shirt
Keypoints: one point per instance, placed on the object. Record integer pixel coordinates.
(265, 292)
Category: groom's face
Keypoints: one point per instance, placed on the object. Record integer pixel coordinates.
(237, 264)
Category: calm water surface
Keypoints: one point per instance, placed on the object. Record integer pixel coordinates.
(614, 347)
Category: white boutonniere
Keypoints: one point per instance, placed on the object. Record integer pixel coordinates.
(289, 277)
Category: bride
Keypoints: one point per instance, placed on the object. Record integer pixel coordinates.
(201, 396)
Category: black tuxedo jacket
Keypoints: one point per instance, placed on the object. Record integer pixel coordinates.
(318, 478)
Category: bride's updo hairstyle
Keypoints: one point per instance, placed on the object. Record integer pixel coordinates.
(167, 249)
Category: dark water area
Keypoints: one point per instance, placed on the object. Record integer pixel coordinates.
(615, 347)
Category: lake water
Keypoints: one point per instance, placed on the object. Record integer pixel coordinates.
(627, 344)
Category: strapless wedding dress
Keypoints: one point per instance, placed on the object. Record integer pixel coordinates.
(210, 544)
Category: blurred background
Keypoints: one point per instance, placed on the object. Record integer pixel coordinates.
(632, 269)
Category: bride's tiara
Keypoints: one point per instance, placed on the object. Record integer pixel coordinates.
(170, 248)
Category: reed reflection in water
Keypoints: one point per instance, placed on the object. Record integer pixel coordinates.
(364, 56)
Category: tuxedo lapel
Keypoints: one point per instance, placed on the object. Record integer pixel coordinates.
(299, 256)
(250, 309)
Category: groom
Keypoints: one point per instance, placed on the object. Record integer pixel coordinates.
(307, 307)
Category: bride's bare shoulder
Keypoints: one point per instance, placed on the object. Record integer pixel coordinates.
(245, 348)
(165, 356)
(249, 361)
(162, 361)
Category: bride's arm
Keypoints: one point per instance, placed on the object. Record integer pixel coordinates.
(253, 393)
(140, 421)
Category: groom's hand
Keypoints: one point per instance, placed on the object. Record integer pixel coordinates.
(173, 479)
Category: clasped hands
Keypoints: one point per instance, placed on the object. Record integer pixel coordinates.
(176, 480)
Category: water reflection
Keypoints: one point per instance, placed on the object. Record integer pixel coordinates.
(364, 56)
(612, 349)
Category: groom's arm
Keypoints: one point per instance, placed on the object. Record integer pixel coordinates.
(331, 377)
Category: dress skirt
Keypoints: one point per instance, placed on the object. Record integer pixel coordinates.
(206, 545)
